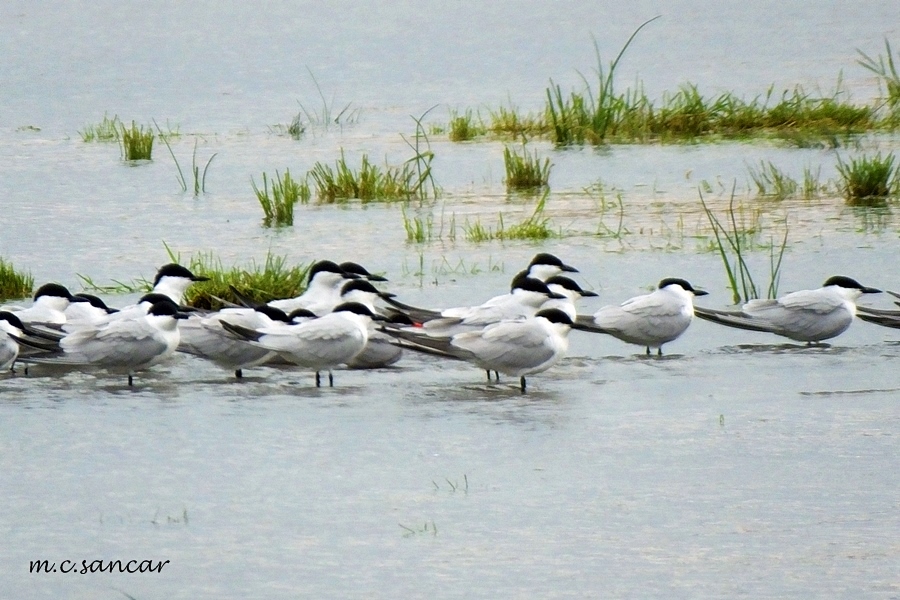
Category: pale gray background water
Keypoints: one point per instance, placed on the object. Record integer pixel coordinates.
(735, 467)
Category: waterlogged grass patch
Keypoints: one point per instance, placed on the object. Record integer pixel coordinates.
(136, 142)
(278, 203)
(869, 180)
(14, 283)
(525, 171)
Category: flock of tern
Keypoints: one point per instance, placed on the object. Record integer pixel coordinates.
(343, 319)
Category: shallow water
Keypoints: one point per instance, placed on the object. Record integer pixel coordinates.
(736, 465)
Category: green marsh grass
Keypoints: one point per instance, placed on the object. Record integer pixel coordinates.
(278, 203)
(732, 241)
(14, 283)
(272, 279)
(869, 180)
(373, 183)
(525, 171)
(108, 130)
(137, 143)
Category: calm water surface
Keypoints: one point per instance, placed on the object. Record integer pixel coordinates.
(735, 466)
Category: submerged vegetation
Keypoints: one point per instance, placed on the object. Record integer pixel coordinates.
(14, 284)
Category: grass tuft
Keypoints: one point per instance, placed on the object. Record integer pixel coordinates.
(869, 180)
(525, 171)
(137, 143)
(464, 127)
(273, 279)
(14, 284)
(278, 207)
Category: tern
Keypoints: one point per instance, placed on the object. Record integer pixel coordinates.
(649, 320)
(810, 316)
(205, 337)
(121, 345)
(526, 296)
(323, 289)
(359, 270)
(564, 286)
(50, 302)
(544, 266)
(316, 344)
(173, 280)
(10, 325)
(516, 347)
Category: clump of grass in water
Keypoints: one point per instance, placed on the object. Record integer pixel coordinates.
(369, 183)
(463, 127)
(278, 206)
(525, 171)
(730, 245)
(869, 180)
(137, 143)
(14, 284)
(108, 130)
(261, 283)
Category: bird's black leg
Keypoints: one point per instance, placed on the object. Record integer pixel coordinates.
(330, 379)
(130, 380)
(522, 383)
(497, 376)
(318, 380)
(488, 371)
(238, 373)
(659, 351)
(648, 350)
